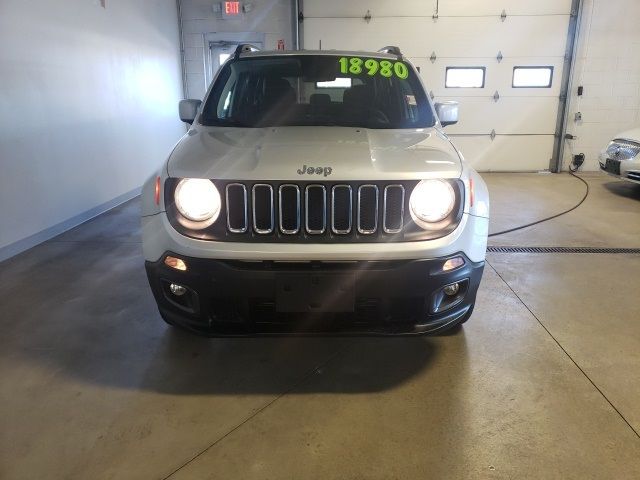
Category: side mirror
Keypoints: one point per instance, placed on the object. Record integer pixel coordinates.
(188, 109)
(447, 112)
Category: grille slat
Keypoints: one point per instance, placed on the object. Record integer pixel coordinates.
(393, 210)
(315, 209)
(262, 202)
(236, 198)
(341, 209)
(289, 208)
(367, 209)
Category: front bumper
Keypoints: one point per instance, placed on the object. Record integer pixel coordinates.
(623, 169)
(230, 297)
(159, 237)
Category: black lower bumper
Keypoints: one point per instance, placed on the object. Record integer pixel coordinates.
(266, 297)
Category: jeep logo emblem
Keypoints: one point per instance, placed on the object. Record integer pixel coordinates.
(315, 170)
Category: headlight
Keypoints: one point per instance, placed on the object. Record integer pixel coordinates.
(198, 200)
(623, 150)
(431, 202)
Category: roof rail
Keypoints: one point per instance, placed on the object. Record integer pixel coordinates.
(391, 49)
(245, 48)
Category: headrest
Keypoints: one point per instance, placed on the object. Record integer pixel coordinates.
(278, 90)
(320, 99)
(358, 96)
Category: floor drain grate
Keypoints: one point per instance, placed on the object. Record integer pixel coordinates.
(497, 249)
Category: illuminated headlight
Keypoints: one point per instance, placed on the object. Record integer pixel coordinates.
(431, 202)
(198, 200)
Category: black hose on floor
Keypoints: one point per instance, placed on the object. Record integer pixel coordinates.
(586, 194)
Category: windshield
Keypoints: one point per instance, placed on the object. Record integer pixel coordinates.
(323, 90)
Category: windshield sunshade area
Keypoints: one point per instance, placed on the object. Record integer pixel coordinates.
(318, 90)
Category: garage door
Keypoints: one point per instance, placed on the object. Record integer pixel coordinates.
(471, 51)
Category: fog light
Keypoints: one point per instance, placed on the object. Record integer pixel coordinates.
(451, 290)
(452, 264)
(176, 263)
(177, 290)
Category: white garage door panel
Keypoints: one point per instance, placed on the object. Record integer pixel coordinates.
(467, 33)
(511, 7)
(507, 154)
(465, 37)
(416, 8)
(342, 8)
(498, 76)
(514, 115)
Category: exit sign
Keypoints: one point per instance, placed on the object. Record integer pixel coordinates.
(230, 9)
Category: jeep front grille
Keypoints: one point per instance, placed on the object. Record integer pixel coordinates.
(314, 212)
(318, 209)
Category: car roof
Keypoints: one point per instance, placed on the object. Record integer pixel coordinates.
(342, 53)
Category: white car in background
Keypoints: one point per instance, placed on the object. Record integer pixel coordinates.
(621, 158)
(315, 191)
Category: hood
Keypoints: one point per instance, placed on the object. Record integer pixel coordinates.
(633, 135)
(313, 153)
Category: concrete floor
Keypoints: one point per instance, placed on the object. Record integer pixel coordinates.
(542, 382)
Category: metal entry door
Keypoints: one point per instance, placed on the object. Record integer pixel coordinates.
(218, 54)
(218, 45)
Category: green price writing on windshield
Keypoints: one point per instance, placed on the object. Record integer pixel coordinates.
(371, 66)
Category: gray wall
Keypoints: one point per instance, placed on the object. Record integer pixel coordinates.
(88, 108)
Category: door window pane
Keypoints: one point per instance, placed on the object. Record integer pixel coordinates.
(465, 77)
(532, 77)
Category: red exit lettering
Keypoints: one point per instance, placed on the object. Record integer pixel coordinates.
(232, 8)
